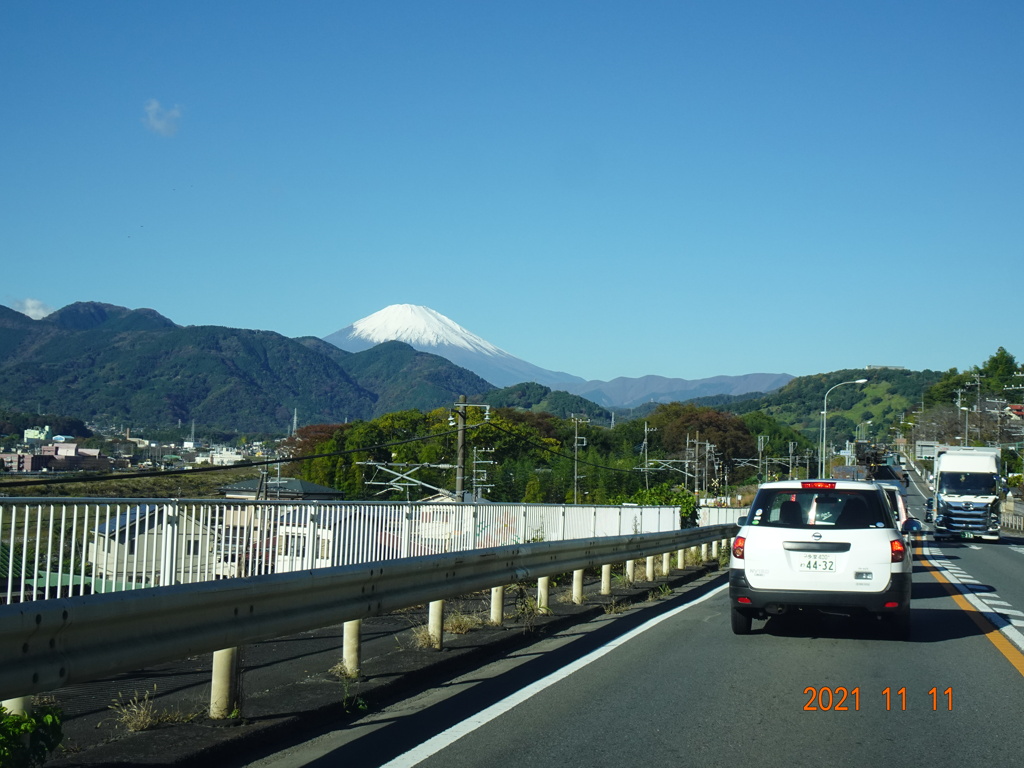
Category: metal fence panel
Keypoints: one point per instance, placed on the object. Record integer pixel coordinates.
(52, 548)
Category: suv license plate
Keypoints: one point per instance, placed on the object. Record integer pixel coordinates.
(966, 535)
(816, 563)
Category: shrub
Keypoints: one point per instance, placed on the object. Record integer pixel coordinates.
(27, 740)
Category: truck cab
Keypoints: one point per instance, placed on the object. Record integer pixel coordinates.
(967, 494)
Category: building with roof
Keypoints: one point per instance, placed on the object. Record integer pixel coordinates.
(285, 488)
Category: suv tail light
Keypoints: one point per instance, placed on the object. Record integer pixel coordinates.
(898, 550)
(737, 547)
(818, 484)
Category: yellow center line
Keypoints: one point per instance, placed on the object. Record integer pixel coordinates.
(1011, 652)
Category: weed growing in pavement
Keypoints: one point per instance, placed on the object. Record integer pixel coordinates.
(141, 713)
(614, 607)
(459, 623)
(622, 581)
(527, 609)
(341, 672)
(351, 703)
(566, 598)
(662, 591)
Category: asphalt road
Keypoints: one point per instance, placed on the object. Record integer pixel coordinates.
(674, 686)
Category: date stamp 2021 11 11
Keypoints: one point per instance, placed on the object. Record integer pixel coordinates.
(842, 699)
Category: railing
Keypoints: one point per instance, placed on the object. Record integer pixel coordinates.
(52, 548)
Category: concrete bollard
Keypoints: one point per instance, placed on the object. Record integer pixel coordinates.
(224, 684)
(577, 586)
(606, 579)
(497, 606)
(435, 625)
(352, 647)
(631, 570)
(543, 592)
(650, 567)
(666, 564)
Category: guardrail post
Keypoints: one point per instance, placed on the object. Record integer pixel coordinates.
(650, 567)
(543, 592)
(705, 552)
(18, 706)
(224, 685)
(352, 647)
(497, 605)
(666, 563)
(606, 579)
(631, 570)
(680, 558)
(577, 586)
(435, 624)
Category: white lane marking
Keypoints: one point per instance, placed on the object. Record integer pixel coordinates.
(1005, 625)
(467, 726)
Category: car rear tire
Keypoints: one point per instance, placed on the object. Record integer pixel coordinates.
(741, 622)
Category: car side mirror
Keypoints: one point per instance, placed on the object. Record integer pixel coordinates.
(742, 520)
(912, 525)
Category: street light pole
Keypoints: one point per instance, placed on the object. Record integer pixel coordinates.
(824, 424)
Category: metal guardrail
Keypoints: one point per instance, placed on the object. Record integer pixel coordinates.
(46, 645)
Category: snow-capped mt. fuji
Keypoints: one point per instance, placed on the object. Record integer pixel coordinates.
(428, 331)
(415, 325)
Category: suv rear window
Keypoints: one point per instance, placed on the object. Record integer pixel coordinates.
(809, 508)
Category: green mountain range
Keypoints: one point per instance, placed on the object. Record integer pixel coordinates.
(115, 366)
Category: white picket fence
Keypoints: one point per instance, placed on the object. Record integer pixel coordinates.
(54, 547)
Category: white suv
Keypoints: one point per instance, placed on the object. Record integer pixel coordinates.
(830, 545)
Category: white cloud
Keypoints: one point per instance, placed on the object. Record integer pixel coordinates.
(160, 120)
(34, 308)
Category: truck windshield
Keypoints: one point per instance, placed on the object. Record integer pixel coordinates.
(967, 484)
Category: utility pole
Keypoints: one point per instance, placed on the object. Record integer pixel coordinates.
(577, 420)
(460, 453)
(647, 473)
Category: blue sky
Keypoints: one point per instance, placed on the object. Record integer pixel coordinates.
(679, 188)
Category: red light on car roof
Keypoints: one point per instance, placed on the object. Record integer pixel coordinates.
(818, 484)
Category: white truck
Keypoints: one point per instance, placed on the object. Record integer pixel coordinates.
(967, 494)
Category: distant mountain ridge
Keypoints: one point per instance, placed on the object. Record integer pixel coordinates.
(430, 331)
(627, 393)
